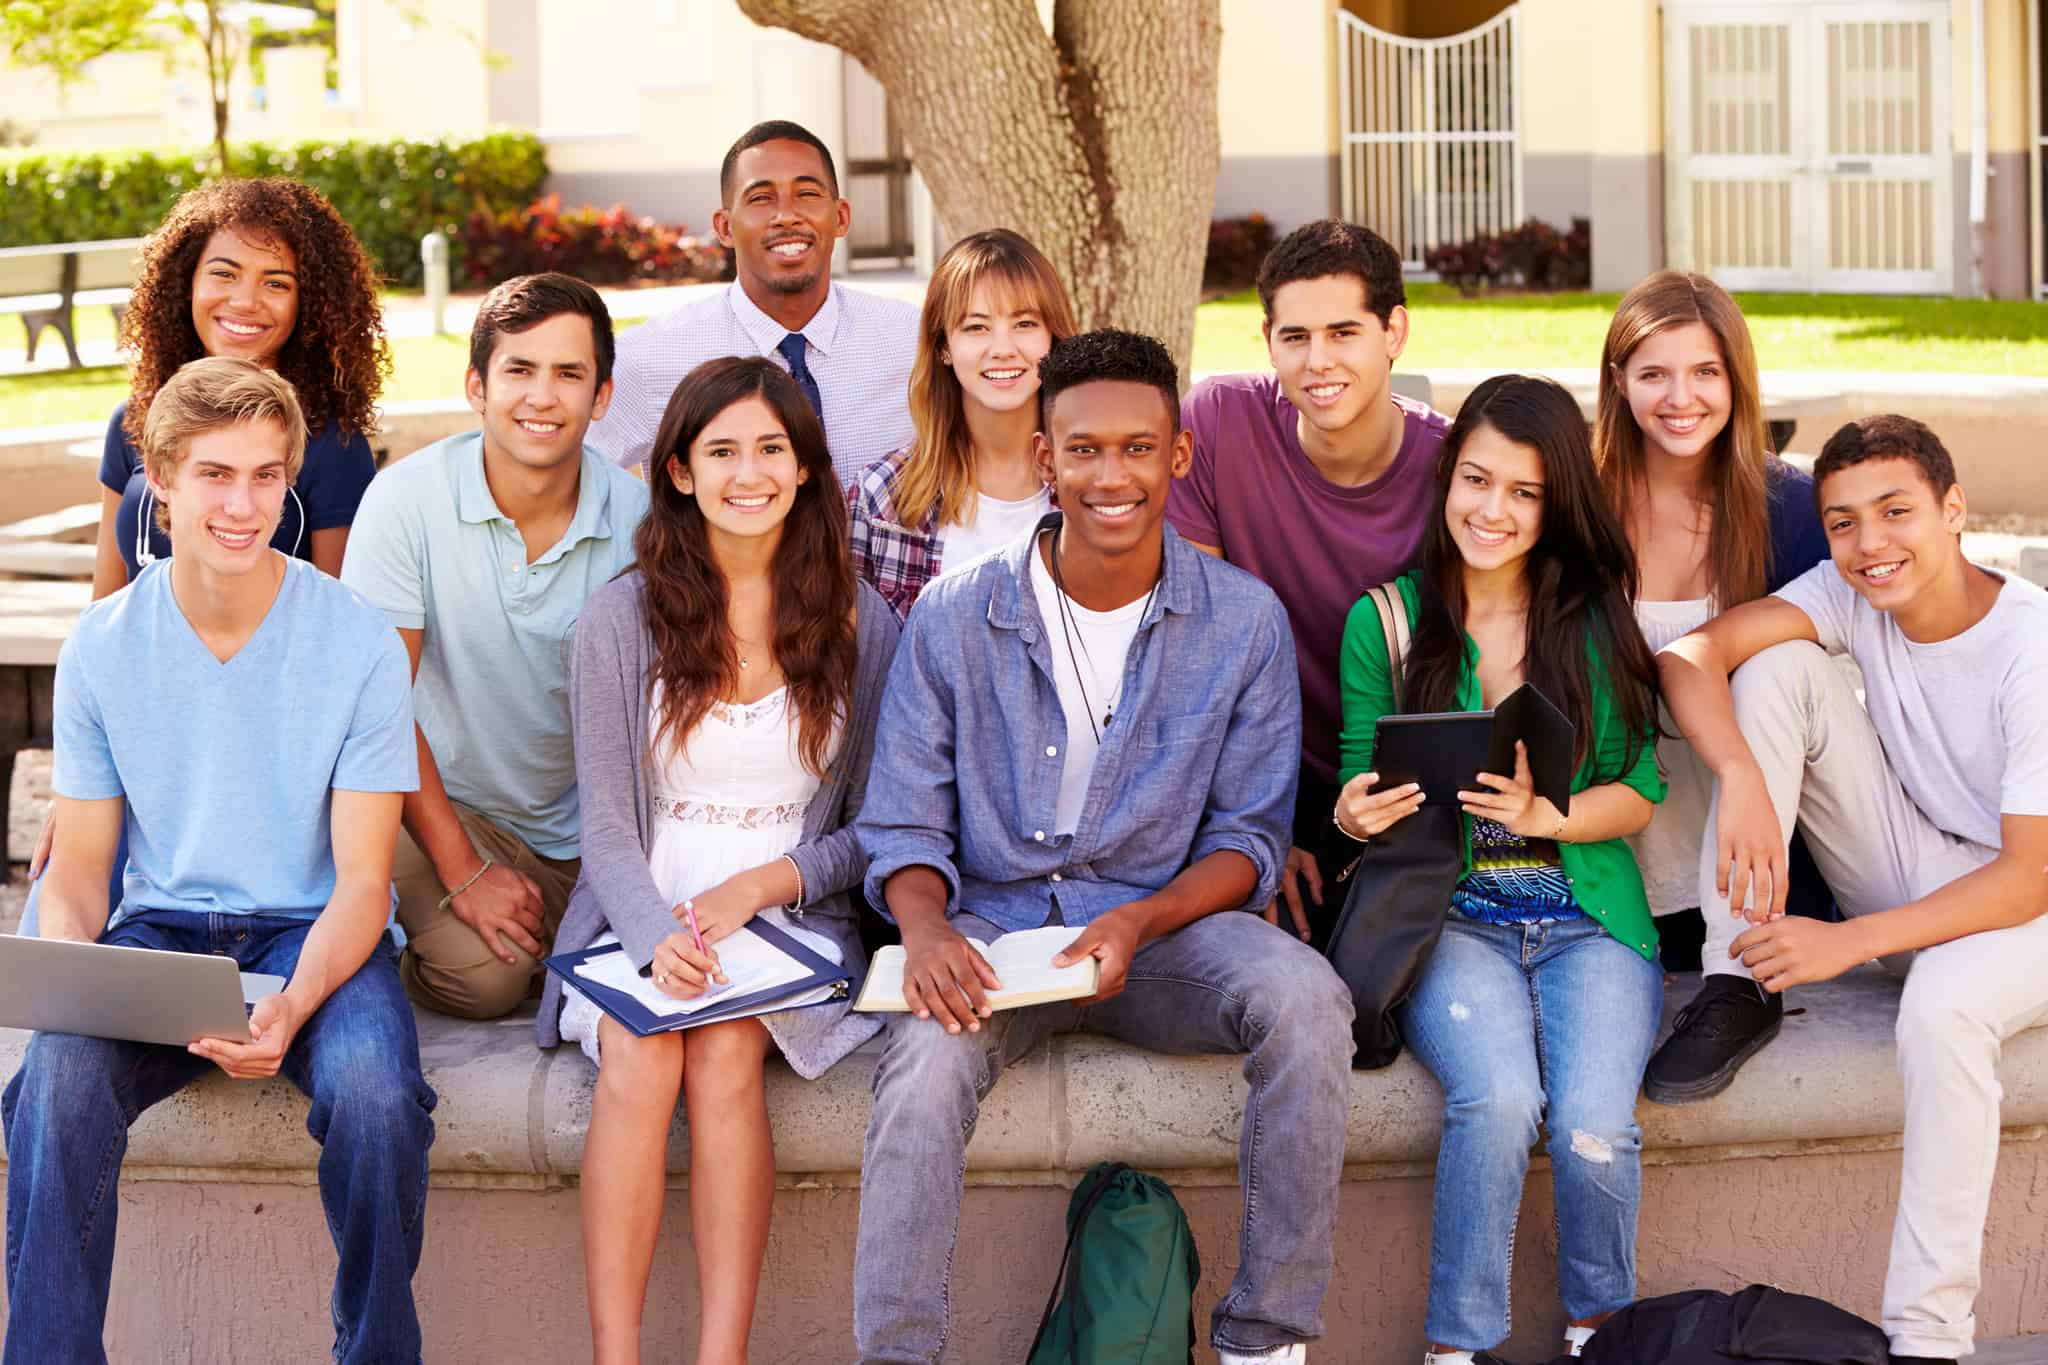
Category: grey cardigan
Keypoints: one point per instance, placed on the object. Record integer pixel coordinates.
(612, 652)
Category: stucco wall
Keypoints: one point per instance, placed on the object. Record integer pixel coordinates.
(237, 1273)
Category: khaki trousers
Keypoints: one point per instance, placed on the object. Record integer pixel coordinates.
(1826, 769)
(446, 965)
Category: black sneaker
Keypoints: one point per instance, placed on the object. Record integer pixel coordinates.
(1726, 1024)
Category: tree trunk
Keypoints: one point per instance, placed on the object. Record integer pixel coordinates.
(1098, 141)
(216, 41)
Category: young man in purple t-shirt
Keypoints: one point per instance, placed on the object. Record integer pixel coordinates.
(1316, 477)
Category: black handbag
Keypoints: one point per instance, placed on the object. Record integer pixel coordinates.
(1400, 890)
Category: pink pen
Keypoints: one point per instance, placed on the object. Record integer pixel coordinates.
(690, 913)
(696, 934)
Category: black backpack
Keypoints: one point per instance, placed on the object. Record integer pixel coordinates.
(1759, 1326)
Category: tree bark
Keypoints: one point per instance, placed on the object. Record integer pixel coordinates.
(1097, 140)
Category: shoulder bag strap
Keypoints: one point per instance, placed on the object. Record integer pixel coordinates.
(1386, 599)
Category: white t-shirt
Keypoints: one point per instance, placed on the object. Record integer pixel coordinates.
(1094, 666)
(997, 525)
(1964, 721)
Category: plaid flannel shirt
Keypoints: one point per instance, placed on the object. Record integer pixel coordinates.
(897, 560)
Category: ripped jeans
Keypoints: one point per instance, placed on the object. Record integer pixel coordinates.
(1524, 1023)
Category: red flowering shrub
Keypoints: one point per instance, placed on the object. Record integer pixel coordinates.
(1532, 256)
(602, 246)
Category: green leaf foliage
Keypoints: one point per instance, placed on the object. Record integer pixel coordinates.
(63, 35)
(392, 192)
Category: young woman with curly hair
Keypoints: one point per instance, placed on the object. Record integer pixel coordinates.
(230, 272)
(221, 276)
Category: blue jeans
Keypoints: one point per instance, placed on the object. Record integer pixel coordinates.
(1228, 983)
(68, 1110)
(1521, 1023)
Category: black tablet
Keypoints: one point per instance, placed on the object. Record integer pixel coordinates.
(1443, 750)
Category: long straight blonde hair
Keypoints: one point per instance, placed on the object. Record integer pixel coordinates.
(938, 476)
(1739, 544)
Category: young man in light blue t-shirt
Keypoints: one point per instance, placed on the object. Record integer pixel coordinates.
(259, 778)
(1926, 809)
(481, 550)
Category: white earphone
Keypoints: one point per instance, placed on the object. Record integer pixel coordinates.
(146, 517)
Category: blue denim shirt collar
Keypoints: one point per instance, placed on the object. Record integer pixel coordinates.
(1013, 605)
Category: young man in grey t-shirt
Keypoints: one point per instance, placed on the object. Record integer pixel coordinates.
(1928, 816)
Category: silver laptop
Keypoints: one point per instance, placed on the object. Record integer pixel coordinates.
(146, 995)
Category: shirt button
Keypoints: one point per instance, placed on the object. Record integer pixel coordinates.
(1052, 751)
(1039, 835)
(1055, 876)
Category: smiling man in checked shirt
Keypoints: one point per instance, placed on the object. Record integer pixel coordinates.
(849, 349)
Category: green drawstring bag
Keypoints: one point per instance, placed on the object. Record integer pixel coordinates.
(1125, 1294)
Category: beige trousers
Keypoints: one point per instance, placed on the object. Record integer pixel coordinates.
(446, 965)
(1826, 769)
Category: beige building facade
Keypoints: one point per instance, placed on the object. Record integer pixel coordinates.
(1787, 144)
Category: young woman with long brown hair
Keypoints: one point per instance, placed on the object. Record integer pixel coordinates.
(724, 694)
(1541, 999)
(1715, 517)
(967, 483)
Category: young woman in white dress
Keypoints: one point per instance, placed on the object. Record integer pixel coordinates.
(724, 695)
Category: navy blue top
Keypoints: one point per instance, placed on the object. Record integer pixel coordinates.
(325, 495)
(1797, 540)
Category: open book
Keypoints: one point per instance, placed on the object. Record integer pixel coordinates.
(1023, 963)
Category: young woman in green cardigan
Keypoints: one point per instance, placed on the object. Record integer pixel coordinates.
(1541, 1000)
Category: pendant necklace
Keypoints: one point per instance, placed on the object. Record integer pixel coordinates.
(1077, 644)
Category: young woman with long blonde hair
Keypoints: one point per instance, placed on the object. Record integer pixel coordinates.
(967, 483)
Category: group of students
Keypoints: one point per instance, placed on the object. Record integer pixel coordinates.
(958, 622)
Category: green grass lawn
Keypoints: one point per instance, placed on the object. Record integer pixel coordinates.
(1792, 332)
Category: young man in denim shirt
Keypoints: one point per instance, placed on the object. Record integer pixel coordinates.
(1098, 728)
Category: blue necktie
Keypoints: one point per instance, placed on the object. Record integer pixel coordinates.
(792, 349)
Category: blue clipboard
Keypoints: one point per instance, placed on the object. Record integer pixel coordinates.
(644, 1022)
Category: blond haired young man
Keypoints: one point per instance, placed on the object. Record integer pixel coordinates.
(259, 779)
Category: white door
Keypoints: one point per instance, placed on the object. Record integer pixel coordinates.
(1808, 145)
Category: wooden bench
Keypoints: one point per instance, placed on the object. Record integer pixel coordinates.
(44, 284)
(35, 620)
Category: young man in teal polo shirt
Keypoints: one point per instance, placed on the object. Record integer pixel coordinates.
(481, 549)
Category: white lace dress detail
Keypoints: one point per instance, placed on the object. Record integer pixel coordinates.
(732, 798)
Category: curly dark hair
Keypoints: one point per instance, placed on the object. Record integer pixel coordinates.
(1328, 247)
(1107, 353)
(1887, 436)
(336, 356)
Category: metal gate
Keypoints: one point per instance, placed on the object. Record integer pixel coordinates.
(1808, 145)
(1431, 152)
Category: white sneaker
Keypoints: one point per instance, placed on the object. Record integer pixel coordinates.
(1293, 1354)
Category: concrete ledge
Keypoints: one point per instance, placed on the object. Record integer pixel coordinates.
(511, 1114)
(1789, 1177)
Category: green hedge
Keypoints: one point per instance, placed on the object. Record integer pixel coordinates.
(391, 191)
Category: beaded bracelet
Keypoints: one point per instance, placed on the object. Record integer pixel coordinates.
(447, 900)
(796, 906)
